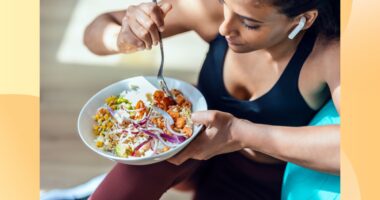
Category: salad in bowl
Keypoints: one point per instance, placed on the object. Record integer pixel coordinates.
(134, 122)
(139, 130)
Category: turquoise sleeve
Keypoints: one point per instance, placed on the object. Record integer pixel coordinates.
(301, 183)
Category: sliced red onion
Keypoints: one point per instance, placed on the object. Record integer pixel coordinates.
(159, 137)
(150, 133)
(155, 129)
(172, 139)
(140, 145)
(169, 138)
(155, 146)
(129, 131)
(164, 114)
(169, 127)
(168, 121)
(135, 125)
(145, 119)
(181, 138)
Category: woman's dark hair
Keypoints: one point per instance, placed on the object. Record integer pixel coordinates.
(328, 20)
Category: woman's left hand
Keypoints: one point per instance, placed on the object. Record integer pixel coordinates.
(218, 138)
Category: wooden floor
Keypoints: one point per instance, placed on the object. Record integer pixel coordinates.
(65, 160)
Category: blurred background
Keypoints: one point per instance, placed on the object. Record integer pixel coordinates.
(70, 75)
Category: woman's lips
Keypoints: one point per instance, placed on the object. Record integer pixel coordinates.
(233, 42)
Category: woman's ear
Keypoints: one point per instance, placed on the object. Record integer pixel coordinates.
(310, 16)
(303, 22)
(300, 26)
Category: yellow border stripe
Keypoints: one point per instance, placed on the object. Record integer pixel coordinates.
(19, 102)
(360, 98)
(19, 52)
(19, 74)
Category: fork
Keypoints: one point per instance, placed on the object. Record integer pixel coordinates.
(160, 76)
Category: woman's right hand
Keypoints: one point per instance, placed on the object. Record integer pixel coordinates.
(140, 26)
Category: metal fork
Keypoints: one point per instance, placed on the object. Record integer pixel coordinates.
(160, 77)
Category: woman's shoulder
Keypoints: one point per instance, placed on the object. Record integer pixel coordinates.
(327, 48)
(326, 57)
(204, 17)
(327, 52)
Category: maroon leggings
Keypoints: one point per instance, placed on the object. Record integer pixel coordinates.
(230, 176)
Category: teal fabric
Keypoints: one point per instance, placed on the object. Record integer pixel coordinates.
(305, 184)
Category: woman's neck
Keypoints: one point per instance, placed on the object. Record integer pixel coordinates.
(284, 49)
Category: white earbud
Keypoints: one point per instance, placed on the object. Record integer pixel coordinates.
(298, 28)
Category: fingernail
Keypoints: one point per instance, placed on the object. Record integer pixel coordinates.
(161, 29)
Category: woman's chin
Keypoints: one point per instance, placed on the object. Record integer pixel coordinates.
(239, 48)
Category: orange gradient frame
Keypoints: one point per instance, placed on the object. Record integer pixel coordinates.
(19, 85)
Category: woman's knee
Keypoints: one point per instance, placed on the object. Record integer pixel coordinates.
(132, 182)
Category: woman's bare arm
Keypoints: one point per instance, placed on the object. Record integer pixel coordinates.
(101, 35)
(313, 147)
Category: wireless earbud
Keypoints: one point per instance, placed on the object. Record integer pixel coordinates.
(298, 28)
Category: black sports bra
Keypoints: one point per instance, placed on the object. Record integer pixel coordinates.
(282, 105)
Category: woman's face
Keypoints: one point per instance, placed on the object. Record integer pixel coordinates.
(250, 25)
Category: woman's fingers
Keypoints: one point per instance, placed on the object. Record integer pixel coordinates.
(127, 41)
(157, 13)
(145, 21)
(141, 33)
(204, 117)
(165, 8)
(141, 26)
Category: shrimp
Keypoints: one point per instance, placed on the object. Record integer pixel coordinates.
(180, 122)
(140, 105)
(158, 95)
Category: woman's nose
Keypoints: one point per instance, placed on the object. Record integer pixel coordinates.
(227, 28)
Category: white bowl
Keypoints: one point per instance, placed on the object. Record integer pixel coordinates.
(144, 84)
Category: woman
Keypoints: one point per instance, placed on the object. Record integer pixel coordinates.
(272, 64)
